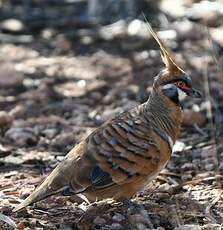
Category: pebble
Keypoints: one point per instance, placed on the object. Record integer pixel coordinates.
(13, 25)
(96, 96)
(61, 43)
(18, 111)
(139, 28)
(137, 218)
(5, 119)
(210, 160)
(22, 136)
(221, 167)
(220, 149)
(159, 196)
(188, 167)
(63, 141)
(188, 227)
(209, 167)
(179, 146)
(165, 188)
(118, 217)
(9, 77)
(50, 133)
(186, 176)
(141, 226)
(99, 221)
(208, 152)
(116, 226)
(196, 153)
(206, 11)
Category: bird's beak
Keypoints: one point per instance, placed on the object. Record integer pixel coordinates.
(194, 93)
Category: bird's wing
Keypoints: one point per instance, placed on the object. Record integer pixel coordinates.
(117, 152)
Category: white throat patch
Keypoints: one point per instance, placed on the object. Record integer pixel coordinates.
(181, 94)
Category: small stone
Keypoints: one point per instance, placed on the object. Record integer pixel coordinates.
(13, 25)
(188, 167)
(49, 133)
(137, 218)
(209, 167)
(208, 152)
(24, 194)
(137, 27)
(179, 146)
(206, 11)
(116, 226)
(161, 196)
(220, 149)
(62, 43)
(9, 76)
(196, 153)
(188, 227)
(5, 120)
(118, 217)
(186, 177)
(21, 136)
(141, 226)
(165, 188)
(99, 221)
(211, 160)
(221, 167)
(63, 141)
(96, 96)
(18, 111)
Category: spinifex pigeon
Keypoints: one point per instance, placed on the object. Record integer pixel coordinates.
(127, 152)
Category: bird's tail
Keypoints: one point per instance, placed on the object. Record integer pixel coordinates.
(55, 183)
(40, 193)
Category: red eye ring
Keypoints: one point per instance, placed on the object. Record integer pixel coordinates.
(181, 85)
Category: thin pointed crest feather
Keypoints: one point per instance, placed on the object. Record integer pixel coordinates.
(167, 59)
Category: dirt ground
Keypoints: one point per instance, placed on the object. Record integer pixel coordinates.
(55, 89)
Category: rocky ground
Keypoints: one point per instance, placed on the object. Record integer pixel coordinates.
(56, 88)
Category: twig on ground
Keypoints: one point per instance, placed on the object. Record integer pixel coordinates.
(208, 208)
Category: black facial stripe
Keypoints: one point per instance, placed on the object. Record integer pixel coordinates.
(183, 78)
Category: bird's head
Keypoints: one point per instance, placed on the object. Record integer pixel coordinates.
(172, 82)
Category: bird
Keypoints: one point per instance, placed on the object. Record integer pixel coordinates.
(127, 152)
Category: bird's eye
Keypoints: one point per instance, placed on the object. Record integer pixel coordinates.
(181, 84)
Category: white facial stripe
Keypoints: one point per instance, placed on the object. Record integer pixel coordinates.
(181, 94)
(170, 141)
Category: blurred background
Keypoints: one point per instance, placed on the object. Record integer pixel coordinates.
(66, 66)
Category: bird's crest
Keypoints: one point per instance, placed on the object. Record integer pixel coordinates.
(166, 57)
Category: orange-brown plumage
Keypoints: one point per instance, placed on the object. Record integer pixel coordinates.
(127, 152)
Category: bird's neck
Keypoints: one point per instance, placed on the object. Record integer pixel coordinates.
(163, 114)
